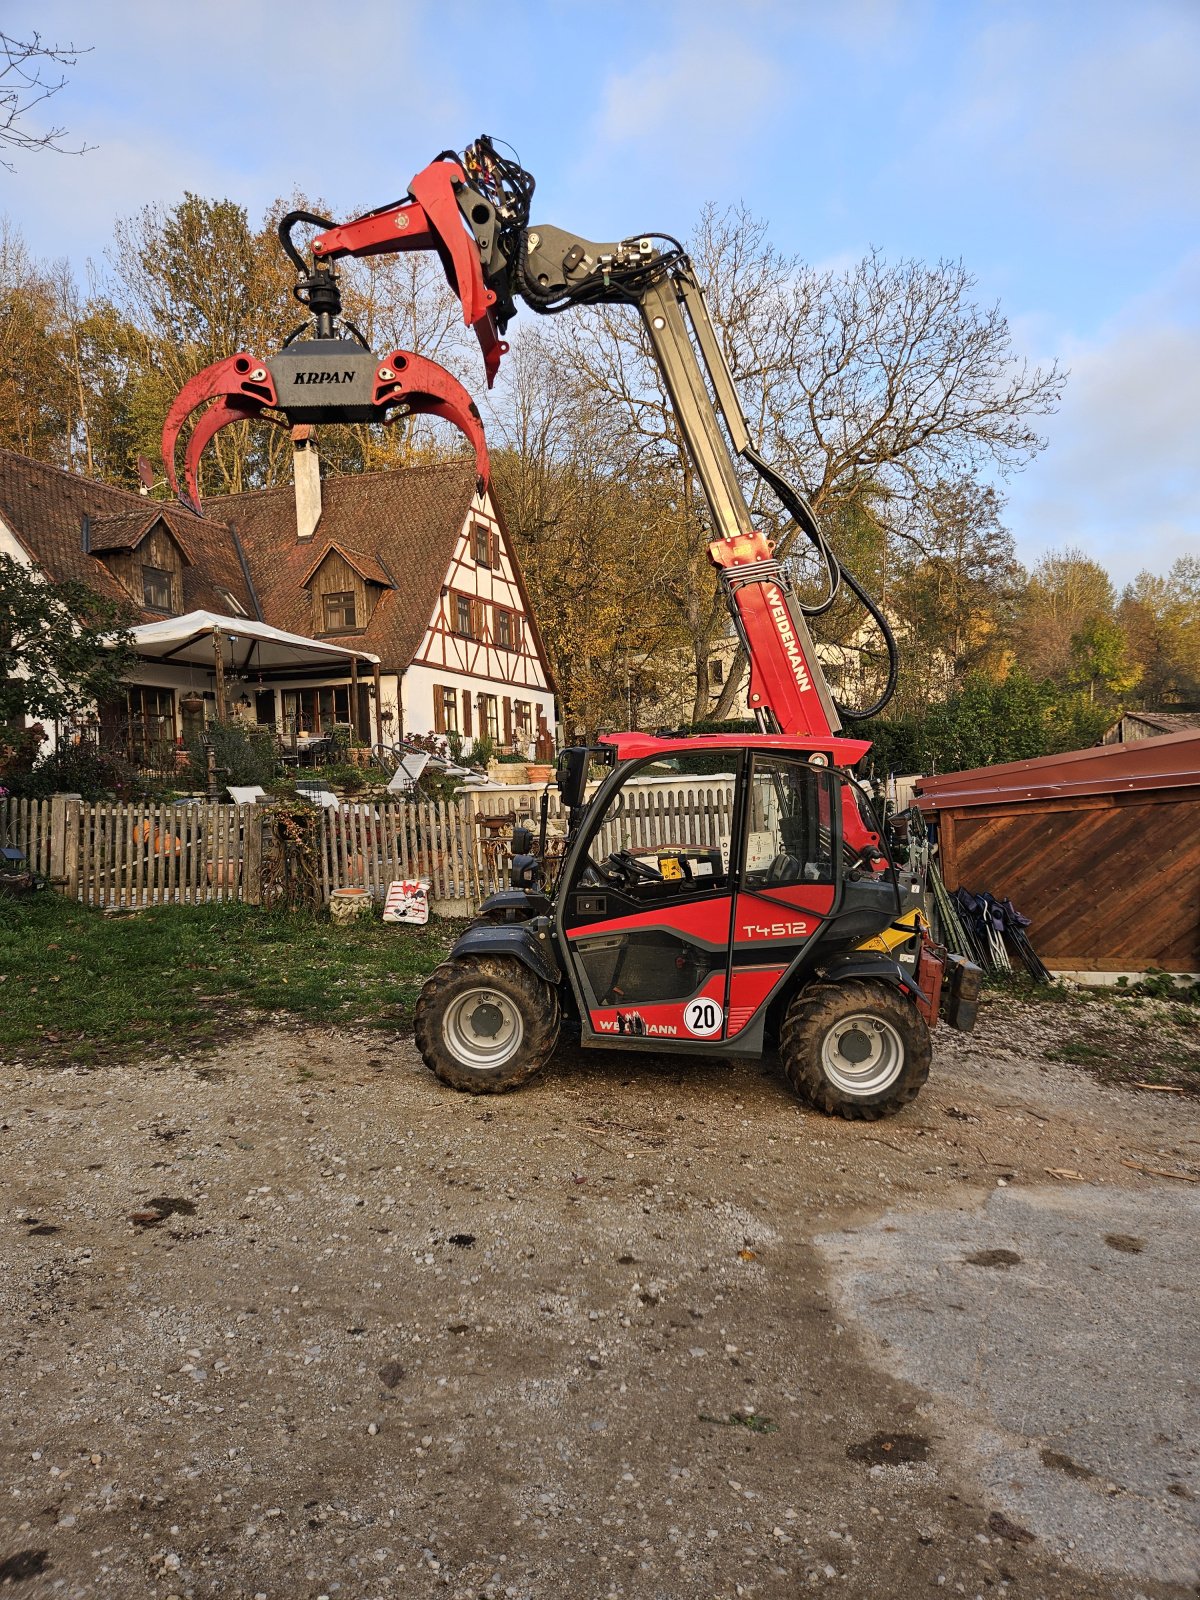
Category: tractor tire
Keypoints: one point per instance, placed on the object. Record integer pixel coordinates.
(856, 1049)
(485, 1024)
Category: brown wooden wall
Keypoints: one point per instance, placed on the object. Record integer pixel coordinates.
(1110, 882)
(157, 549)
(337, 576)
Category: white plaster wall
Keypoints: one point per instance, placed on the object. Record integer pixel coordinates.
(10, 546)
(389, 700)
(419, 682)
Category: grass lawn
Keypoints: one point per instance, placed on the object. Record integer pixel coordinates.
(76, 986)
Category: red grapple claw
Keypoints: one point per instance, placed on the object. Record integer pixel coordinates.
(424, 388)
(240, 378)
(318, 374)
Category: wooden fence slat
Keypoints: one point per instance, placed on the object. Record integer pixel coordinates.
(203, 827)
(223, 853)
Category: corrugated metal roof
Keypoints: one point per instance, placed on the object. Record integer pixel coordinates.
(1172, 762)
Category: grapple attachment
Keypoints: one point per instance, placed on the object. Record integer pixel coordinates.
(326, 378)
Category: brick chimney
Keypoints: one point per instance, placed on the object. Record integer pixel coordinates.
(306, 472)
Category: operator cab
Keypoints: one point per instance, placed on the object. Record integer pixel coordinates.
(705, 876)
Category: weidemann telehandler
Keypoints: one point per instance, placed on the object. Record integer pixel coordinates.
(775, 923)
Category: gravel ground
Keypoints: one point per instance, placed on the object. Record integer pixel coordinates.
(292, 1320)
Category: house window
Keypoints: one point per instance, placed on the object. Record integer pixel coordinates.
(716, 671)
(445, 711)
(339, 611)
(523, 716)
(156, 588)
(464, 616)
(489, 717)
(151, 720)
(333, 707)
(483, 546)
(508, 630)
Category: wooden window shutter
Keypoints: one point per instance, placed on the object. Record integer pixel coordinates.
(439, 712)
(495, 550)
(479, 620)
(467, 712)
(508, 720)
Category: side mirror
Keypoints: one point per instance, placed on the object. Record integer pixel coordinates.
(571, 775)
(526, 872)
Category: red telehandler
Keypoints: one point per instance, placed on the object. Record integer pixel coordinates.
(772, 918)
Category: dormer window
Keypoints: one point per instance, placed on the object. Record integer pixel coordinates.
(339, 611)
(156, 588)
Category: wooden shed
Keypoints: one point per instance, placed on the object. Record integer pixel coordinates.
(1099, 848)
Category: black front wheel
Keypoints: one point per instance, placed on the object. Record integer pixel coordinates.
(855, 1049)
(485, 1024)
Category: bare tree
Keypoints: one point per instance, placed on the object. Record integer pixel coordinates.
(24, 84)
(869, 383)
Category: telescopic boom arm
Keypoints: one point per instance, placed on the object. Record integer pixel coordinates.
(474, 211)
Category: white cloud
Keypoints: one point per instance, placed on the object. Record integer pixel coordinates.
(1121, 476)
(708, 93)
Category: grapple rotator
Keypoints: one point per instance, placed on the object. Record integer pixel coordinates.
(320, 375)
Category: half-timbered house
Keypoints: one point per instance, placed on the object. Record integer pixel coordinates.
(416, 567)
(405, 584)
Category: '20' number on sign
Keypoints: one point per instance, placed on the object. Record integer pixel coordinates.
(703, 1018)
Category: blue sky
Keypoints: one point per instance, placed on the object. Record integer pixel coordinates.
(1055, 148)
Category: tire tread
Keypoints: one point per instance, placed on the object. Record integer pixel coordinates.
(541, 1016)
(814, 1010)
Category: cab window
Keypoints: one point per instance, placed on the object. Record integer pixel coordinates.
(789, 823)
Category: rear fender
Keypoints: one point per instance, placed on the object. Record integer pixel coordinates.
(530, 942)
(873, 965)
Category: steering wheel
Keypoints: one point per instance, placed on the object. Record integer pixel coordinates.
(633, 867)
(620, 869)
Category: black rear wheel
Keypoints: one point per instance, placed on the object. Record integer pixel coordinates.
(485, 1024)
(855, 1049)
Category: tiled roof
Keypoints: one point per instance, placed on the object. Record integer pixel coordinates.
(127, 529)
(367, 567)
(411, 519)
(45, 506)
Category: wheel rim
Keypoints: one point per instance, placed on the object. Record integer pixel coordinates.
(862, 1054)
(483, 1028)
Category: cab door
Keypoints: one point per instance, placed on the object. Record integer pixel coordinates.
(788, 879)
(647, 913)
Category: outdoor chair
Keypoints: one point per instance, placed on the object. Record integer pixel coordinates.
(410, 766)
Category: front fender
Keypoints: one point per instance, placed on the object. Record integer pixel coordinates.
(530, 943)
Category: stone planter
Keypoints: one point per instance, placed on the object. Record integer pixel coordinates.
(349, 905)
(508, 772)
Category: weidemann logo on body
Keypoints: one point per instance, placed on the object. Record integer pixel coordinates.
(783, 623)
